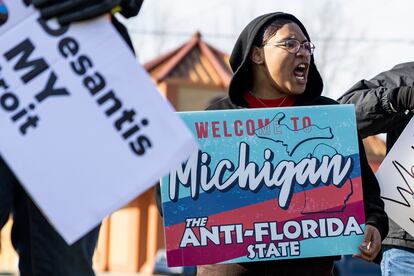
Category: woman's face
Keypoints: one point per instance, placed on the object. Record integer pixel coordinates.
(288, 72)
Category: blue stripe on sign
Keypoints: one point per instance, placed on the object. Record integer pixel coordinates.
(3, 8)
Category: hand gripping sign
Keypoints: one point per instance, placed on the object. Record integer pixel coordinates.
(266, 184)
(82, 126)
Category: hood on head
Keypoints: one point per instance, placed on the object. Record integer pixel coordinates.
(240, 61)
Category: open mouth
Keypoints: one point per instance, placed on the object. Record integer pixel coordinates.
(300, 71)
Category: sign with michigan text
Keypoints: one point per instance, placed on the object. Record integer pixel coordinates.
(266, 184)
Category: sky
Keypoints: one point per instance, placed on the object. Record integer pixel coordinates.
(354, 39)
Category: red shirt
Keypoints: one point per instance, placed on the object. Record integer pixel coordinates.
(254, 102)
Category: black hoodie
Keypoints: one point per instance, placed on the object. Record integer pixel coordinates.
(239, 84)
(240, 61)
(241, 65)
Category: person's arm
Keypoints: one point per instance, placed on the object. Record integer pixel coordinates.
(7, 182)
(376, 220)
(378, 108)
(68, 11)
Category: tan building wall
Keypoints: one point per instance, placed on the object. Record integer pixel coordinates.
(130, 237)
(192, 99)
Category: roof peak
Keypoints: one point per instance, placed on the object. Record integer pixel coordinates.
(197, 35)
(187, 59)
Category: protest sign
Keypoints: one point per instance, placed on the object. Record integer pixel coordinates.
(266, 184)
(82, 125)
(396, 179)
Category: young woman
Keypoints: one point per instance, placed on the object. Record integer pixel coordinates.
(273, 66)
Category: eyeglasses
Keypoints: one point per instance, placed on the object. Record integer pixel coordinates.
(293, 46)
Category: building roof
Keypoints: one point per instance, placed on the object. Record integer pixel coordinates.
(195, 61)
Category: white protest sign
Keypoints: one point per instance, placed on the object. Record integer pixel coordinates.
(396, 179)
(82, 125)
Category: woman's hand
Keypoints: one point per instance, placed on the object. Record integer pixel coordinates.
(371, 244)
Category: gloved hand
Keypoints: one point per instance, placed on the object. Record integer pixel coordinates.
(68, 11)
(402, 98)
